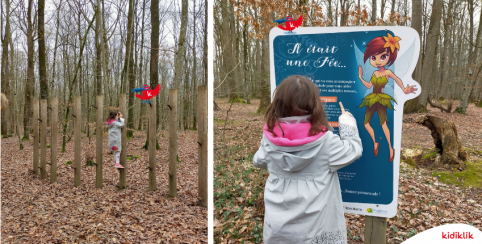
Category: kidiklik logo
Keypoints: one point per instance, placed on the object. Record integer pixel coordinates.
(369, 210)
(457, 235)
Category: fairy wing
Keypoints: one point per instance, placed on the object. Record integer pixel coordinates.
(368, 69)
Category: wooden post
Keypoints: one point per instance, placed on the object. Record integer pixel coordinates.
(123, 156)
(77, 149)
(152, 145)
(43, 139)
(375, 230)
(202, 137)
(35, 136)
(173, 143)
(54, 113)
(99, 162)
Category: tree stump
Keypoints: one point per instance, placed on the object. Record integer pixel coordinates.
(216, 107)
(4, 102)
(444, 134)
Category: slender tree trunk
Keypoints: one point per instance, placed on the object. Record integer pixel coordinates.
(6, 69)
(205, 56)
(446, 49)
(330, 13)
(374, 11)
(42, 55)
(29, 87)
(142, 109)
(194, 73)
(382, 9)
(181, 48)
(98, 50)
(154, 60)
(429, 57)
(470, 79)
(265, 87)
(129, 68)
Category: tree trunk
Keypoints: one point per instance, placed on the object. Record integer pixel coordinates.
(471, 79)
(29, 87)
(445, 55)
(330, 13)
(42, 55)
(194, 73)
(129, 68)
(382, 9)
(228, 55)
(154, 60)
(428, 59)
(374, 11)
(265, 86)
(5, 69)
(181, 48)
(444, 134)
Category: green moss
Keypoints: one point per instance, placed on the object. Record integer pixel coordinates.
(471, 176)
(410, 162)
(89, 163)
(430, 155)
(68, 162)
(137, 156)
(480, 104)
(25, 139)
(424, 110)
(130, 158)
(48, 146)
(236, 100)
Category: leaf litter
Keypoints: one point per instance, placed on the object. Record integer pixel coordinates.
(35, 211)
(423, 201)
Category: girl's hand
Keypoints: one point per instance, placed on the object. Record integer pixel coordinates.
(360, 71)
(409, 89)
(343, 112)
(120, 115)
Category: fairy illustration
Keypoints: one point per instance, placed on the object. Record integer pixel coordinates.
(382, 52)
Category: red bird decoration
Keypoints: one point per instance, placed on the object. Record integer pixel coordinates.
(291, 24)
(149, 93)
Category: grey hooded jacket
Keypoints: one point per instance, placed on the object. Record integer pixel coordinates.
(302, 194)
(115, 135)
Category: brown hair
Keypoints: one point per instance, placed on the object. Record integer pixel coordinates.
(375, 47)
(112, 114)
(296, 96)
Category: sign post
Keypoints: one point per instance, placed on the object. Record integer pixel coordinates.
(369, 70)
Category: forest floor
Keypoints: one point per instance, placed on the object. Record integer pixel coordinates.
(425, 199)
(35, 211)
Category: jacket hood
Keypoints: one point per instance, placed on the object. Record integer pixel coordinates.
(110, 122)
(294, 150)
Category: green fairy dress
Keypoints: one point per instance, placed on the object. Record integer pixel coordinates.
(377, 101)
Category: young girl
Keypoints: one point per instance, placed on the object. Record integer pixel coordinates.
(302, 194)
(115, 123)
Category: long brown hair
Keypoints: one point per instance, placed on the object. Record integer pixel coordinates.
(297, 96)
(112, 115)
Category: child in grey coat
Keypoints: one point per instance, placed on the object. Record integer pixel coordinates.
(302, 194)
(115, 123)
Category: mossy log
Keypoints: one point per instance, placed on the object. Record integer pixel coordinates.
(444, 134)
